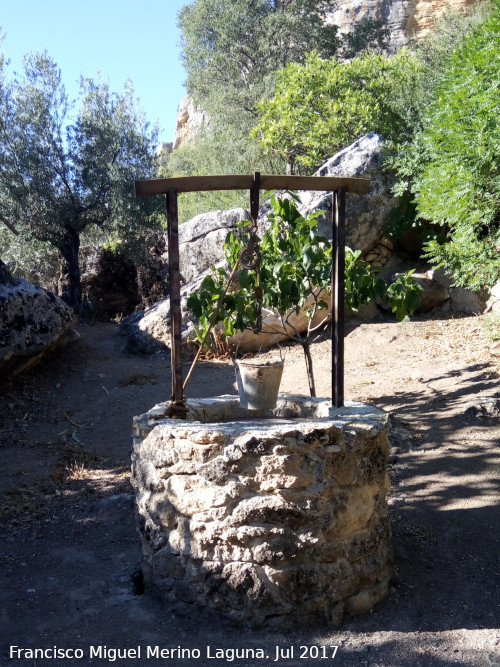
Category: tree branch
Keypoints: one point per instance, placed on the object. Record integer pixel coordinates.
(9, 225)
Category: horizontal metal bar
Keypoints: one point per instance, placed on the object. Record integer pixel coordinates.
(161, 186)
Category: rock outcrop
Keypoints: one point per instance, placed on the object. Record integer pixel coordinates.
(366, 215)
(424, 14)
(201, 241)
(190, 120)
(33, 321)
(403, 19)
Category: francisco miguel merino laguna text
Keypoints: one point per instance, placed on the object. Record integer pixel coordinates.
(228, 654)
(112, 654)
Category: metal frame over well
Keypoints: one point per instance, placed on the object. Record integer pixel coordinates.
(338, 186)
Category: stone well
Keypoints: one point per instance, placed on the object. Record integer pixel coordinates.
(279, 519)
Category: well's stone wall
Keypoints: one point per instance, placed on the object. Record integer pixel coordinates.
(278, 520)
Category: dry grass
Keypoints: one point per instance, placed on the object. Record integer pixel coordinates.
(76, 471)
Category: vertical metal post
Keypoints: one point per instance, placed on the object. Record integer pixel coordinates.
(174, 277)
(254, 197)
(338, 286)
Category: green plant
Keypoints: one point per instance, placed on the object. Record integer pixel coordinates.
(491, 327)
(295, 275)
(320, 106)
(361, 282)
(112, 245)
(451, 164)
(66, 172)
(404, 295)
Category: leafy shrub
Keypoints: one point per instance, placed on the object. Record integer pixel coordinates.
(361, 282)
(404, 295)
(451, 165)
(321, 106)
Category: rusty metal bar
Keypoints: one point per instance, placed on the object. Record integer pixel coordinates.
(175, 296)
(161, 186)
(254, 197)
(338, 286)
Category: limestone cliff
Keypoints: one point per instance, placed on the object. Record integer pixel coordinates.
(424, 14)
(403, 18)
(190, 119)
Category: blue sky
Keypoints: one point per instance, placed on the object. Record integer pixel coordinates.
(122, 38)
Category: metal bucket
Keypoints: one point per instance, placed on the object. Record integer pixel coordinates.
(258, 383)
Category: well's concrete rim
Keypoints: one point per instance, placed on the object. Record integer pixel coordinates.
(222, 412)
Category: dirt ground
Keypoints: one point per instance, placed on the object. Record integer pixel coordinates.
(70, 553)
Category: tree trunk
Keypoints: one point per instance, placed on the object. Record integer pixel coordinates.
(309, 367)
(69, 286)
(6, 277)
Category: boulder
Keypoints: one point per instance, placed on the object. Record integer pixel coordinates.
(366, 215)
(33, 321)
(201, 241)
(201, 245)
(493, 303)
(460, 299)
(433, 293)
(148, 331)
(467, 302)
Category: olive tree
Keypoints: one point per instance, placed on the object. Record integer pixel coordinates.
(67, 168)
(231, 48)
